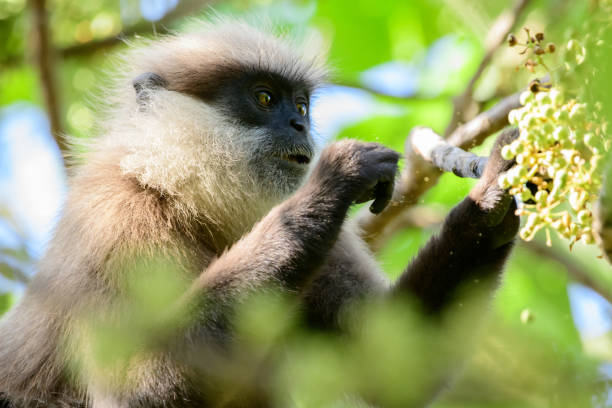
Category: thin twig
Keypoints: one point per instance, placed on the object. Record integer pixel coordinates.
(91, 47)
(575, 269)
(497, 35)
(13, 273)
(474, 132)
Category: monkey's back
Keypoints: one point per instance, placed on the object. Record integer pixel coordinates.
(108, 218)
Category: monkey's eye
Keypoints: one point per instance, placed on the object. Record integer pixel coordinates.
(302, 109)
(264, 98)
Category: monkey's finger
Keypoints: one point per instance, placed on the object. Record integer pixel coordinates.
(366, 196)
(384, 155)
(506, 230)
(383, 191)
(496, 163)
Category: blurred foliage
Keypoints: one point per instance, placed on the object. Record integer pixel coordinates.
(147, 315)
(6, 301)
(534, 361)
(391, 355)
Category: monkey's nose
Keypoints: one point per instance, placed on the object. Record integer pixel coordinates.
(297, 125)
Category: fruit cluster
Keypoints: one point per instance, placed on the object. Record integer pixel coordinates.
(559, 155)
(562, 143)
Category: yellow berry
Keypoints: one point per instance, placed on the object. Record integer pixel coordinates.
(525, 195)
(525, 97)
(513, 117)
(561, 178)
(588, 238)
(561, 133)
(526, 234)
(533, 220)
(548, 111)
(584, 217)
(561, 115)
(541, 197)
(506, 153)
(503, 181)
(556, 96)
(577, 113)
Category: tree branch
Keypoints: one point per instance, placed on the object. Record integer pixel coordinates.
(496, 36)
(90, 47)
(184, 8)
(44, 54)
(474, 132)
(45, 62)
(429, 145)
(419, 175)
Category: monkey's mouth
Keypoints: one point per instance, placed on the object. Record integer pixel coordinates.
(296, 158)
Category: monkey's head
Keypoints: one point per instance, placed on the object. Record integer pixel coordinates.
(223, 111)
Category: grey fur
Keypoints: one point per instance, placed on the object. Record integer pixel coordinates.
(178, 181)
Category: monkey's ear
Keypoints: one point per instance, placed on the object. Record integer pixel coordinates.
(144, 83)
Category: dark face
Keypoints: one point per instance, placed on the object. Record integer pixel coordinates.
(274, 111)
(273, 104)
(278, 109)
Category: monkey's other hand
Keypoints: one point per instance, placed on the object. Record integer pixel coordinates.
(497, 205)
(359, 172)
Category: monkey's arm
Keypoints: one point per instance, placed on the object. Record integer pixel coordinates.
(473, 244)
(288, 245)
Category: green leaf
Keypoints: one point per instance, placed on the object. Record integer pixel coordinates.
(6, 301)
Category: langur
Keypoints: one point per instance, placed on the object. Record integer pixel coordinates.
(204, 159)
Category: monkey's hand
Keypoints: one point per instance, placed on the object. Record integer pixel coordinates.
(497, 206)
(358, 172)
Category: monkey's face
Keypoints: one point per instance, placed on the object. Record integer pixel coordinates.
(274, 112)
(218, 119)
(237, 127)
